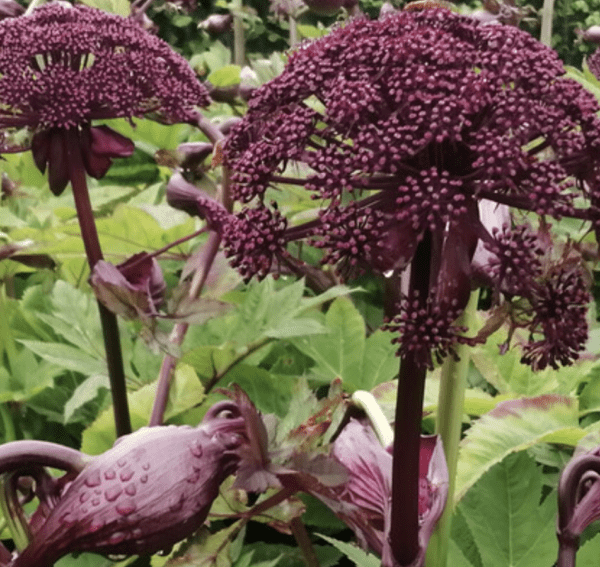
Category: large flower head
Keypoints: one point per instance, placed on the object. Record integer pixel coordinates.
(398, 128)
(64, 66)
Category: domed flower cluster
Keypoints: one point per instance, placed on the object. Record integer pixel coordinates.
(64, 66)
(398, 128)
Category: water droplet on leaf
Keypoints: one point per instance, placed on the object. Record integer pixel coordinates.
(126, 474)
(112, 493)
(126, 507)
(92, 479)
(196, 448)
(116, 537)
(130, 489)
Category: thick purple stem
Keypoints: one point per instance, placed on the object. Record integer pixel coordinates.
(23, 454)
(404, 533)
(110, 328)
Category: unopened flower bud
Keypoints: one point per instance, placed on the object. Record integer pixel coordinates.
(592, 34)
(10, 9)
(217, 24)
(151, 490)
(193, 153)
(132, 289)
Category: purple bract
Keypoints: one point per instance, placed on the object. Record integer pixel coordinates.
(150, 491)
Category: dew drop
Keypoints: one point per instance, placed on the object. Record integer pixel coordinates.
(96, 501)
(109, 474)
(116, 537)
(144, 478)
(130, 489)
(126, 474)
(126, 507)
(137, 533)
(83, 497)
(194, 477)
(66, 518)
(176, 503)
(96, 525)
(146, 466)
(196, 448)
(92, 479)
(122, 462)
(112, 493)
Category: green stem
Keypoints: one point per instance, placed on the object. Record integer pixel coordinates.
(91, 243)
(448, 426)
(239, 42)
(547, 14)
(294, 40)
(32, 6)
(7, 341)
(8, 423)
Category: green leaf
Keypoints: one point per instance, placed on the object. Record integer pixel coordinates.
(185, 392)
(270, 394)
(85, 392)
(511, 426)
(119, 7)
(339, 354)
(456, 557)
(9, 220)
(67, 356)
(210, 361)
(356, 555)
(100, 435)
(588, 553)
(205, 549)
(380, 363)
(226, 76)
(506, 518)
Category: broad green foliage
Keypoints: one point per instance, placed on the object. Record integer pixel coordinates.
(510, 427)
(509, 524)
(297, 352)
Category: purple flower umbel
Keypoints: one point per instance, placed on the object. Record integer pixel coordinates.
(398, 128)
(63, 67)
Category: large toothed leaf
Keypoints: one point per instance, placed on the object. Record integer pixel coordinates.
(339, 353)
(355, 554)
(512, 426)
(506, 518)
(207, 549)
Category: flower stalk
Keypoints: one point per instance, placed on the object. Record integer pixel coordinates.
(450, 410)
(404, 535)
(108, 320)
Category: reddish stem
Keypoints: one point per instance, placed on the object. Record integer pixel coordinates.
(91, 243)
(404, 532)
